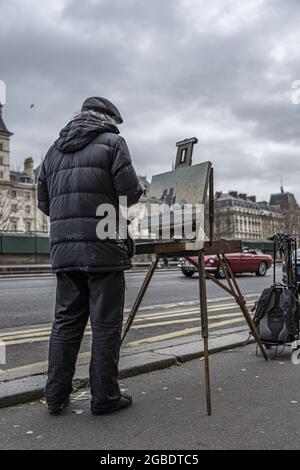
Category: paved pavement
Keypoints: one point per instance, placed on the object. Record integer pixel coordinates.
(170, 310)
(24, 384)
(256, 405)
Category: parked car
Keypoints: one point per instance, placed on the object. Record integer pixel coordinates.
(249, 261)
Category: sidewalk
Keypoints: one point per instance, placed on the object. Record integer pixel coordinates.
(22, 384)
(256, 405)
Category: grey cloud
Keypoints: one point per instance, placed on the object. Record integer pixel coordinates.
(172, 73)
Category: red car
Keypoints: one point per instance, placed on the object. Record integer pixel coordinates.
(249, 261)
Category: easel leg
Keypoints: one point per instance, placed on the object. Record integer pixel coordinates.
(204, 327)
(235, 291)
(140, 297)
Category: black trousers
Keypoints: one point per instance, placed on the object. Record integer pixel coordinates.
(79, 296)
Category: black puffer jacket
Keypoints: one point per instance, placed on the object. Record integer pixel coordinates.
(87, 166)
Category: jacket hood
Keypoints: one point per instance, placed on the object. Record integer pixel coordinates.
(79, 132)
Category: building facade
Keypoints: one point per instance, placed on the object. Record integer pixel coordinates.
(287, 204)
(18, 192)
(238, 216)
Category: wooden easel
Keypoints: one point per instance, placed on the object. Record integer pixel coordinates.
(171, 249)
(187, 250)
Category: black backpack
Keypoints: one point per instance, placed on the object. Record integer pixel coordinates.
(277, 314)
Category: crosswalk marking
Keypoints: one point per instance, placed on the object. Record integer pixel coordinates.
(44, 335)
(43, 331)
(36, 338)
(183, 320)
(32, 335)
(153, 339)
(167, 316)
(20, 332)
(180, 313)
(191, 302)
(39, 364)
(176, 334)
(39, 339)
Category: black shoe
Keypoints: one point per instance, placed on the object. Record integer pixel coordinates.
(123, 402)
(56, 408)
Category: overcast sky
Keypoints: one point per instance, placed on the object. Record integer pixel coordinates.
(220, 70)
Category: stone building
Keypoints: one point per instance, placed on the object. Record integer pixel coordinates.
(18, 192)
(238, 216)
(284, 200)
(287, 204)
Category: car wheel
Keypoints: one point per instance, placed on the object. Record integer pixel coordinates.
(220, 273)
(262, 269)
(188, 273)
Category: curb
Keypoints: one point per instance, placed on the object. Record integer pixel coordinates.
(15, 392)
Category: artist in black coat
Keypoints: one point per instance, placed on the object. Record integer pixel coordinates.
(88, 165)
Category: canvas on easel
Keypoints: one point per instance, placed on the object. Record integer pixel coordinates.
(174, 209)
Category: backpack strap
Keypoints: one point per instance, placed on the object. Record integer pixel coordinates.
(289, 307)
(261, 304)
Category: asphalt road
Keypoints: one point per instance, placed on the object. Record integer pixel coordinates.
(256, 405)
(170, 310)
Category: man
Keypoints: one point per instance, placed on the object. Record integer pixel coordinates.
(87, 166)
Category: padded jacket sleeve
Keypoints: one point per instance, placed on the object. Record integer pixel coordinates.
(125, 180)
(43, 197)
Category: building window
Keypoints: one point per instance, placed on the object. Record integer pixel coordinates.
(25, 179)
(183, 156)
(27, 210)
(1, 147)
(28, 196)
(28, 226)
(1, 160)
(14, 208)
(13, 225)
(1, 174)
(13, 193)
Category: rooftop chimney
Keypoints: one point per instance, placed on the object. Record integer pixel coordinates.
(28, 167)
